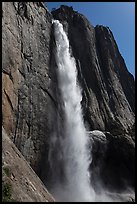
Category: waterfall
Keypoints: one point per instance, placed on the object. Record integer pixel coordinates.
(73, 153)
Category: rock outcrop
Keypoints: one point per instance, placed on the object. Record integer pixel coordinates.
(19, 182)
(113, 161)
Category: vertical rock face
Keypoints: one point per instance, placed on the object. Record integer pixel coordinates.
(108, 98)
(113, 161)
(26, 30)
(29, 101)
(108, 87)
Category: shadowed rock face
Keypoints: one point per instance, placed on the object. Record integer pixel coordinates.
(108, 98)
(108, 101)
(29, 84)
(113, 161)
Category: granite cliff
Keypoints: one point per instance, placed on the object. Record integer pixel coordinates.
(108, 87)
(29, 86)
(19, 181)
(108, 96)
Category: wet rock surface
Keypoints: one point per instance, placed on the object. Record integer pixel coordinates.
(113, 161)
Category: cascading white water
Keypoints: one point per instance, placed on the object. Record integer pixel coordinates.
(74, 143)
(69, 154)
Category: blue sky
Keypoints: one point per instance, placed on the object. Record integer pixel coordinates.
(118, 16)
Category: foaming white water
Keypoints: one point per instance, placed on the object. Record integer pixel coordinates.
(74, 147)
